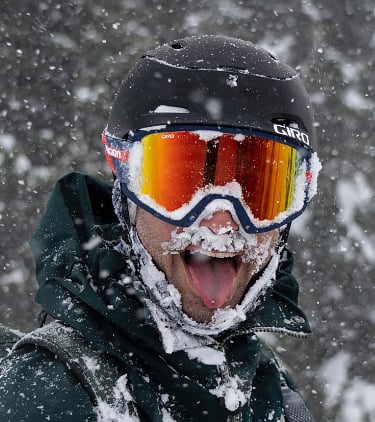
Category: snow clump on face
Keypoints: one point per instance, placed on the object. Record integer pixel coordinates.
(248, 246)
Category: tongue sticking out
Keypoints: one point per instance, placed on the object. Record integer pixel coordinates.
(212, 278)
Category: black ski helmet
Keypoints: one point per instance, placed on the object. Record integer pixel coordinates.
(211, 80)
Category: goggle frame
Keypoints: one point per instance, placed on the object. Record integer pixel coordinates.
(118, 151)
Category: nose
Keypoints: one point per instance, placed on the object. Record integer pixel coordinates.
(221, 222)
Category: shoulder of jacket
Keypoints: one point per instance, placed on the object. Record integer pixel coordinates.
(8, 337)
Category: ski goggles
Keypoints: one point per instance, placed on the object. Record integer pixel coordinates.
(174, 172)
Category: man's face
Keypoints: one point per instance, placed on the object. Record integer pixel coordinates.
(207, 277)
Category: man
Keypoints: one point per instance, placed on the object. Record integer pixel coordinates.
(210, 140)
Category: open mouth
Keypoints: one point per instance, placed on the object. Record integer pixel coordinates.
(212, 275)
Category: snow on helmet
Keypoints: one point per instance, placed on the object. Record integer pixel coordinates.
(213, 80)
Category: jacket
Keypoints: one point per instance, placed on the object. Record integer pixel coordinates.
(80, 272)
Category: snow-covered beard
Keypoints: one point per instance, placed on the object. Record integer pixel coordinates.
(163, 300)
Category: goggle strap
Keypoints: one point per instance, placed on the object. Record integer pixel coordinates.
(107, 156)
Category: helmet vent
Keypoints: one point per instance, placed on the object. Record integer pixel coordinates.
(177, 46)
(273, 57)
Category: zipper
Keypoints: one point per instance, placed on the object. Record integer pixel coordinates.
(225, 376)
(279, 330)
(224, 368)
(275, 330)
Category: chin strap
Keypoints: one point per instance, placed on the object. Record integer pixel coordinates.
(120, 204)
(125, 211)
(283, 238)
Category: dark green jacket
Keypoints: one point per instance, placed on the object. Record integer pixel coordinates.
(78, 268)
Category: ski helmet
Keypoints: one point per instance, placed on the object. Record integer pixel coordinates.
(214, 81)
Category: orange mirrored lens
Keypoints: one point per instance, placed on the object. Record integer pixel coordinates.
(177, 164)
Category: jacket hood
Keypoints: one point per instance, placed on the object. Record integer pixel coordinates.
(84, 281)
(79, 262)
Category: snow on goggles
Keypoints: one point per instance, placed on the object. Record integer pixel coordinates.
(174, 172)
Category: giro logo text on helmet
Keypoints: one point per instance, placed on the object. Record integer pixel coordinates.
(292, 133)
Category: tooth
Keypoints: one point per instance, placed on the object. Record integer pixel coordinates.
(215, 254)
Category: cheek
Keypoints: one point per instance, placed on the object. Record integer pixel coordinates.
(269, 238)
(152, 232)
